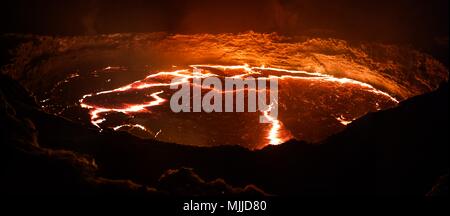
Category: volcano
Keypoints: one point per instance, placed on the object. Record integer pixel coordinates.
(121, 82)
(220, 105)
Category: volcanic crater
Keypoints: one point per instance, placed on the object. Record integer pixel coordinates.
(121, 82)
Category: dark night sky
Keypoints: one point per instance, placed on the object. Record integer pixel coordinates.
(424, 21)
(72, 17)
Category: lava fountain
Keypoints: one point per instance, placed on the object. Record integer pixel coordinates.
(323, 84)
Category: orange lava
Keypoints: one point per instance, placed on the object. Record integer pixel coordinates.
(162, 79)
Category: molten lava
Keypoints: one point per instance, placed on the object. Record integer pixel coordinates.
(150, 95)
(324, 84)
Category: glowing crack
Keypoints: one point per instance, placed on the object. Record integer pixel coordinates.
(274, 137)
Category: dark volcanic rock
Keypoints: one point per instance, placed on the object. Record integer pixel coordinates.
(32, 170)
(401, 151)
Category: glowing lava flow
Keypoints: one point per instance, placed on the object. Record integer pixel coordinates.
(273, 134)
(130, 125)
(343, 121)
(236, 71)
(96, 110)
